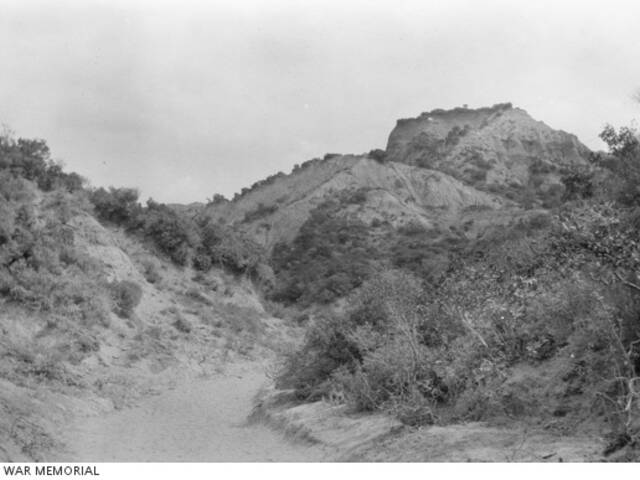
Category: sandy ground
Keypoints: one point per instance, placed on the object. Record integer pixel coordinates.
(201, 420)
(205, 420)
(477, 442)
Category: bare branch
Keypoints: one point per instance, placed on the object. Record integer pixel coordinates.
(626, 282)
(467, 323)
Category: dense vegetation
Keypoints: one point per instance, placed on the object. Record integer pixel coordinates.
(41, 269)
(329, 258)
(69, 291)
(39, 264)
(538, 319)
(182, 239)
(30, 159)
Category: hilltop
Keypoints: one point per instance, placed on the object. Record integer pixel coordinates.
(435, 166)
(482, 268)
(493, 147)
(447, 176)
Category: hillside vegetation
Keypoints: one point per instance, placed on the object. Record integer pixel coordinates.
(484, 267)
(507, 296)
(103, 300)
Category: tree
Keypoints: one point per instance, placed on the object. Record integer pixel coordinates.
(174, 235)
(217, 199)
(624, 144)
(378, 155)
(118, 205)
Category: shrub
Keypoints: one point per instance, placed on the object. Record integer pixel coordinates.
(117, 205)
(477, 175)
(455, 134)
(174, 235)
(237, 253)
(412, 228)
(202, 261)
(260, 211)
(182, 325)
(358, 197)
(376, 355)
(624, 144)
(217, 199)
(428, 149)
(553, 196)
(41, 268)
(150, 271)
(392, 379)
(328, 259)
(378, 155)
(16, 189)
(416, 250)
(229, 248)
(476, 159)
(577, 184)
(539, 167)
(325, 348)
(264, 276)
(126, 296)
(30, 159)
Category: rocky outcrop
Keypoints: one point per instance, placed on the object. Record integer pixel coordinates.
(436, 167)
(386, 192)
(497, 145)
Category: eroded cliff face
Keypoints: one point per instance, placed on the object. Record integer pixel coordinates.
(494, 146)
(371, 191)
(440, 169)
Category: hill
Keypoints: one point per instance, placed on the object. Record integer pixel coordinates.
(483, 268)
(95, 315)
(493, 148)
(436, 167)
(446, 177)
(383, 192)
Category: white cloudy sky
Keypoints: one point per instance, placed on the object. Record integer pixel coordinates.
(184, 99)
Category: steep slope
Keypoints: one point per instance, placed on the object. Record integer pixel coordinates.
(497, 147)
(68, 346)
(383, 192)
(436, 167)
(447, 178)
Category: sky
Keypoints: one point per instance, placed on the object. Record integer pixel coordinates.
(185, 99)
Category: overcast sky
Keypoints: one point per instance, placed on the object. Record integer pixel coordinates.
(185, 99)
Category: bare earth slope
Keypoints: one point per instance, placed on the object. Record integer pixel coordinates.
(392, 192)
(185, 327)
(436, 166)
(494, 146)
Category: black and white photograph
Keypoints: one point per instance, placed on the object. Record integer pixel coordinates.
(321, 231)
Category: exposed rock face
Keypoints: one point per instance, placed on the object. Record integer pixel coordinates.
(387, 192)
(437, 166)
(489, 146)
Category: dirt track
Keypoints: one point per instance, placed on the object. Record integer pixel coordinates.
(202, 420)
(205, 420)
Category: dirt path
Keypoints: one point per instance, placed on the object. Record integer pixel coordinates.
(205, 420)
(202, 420)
